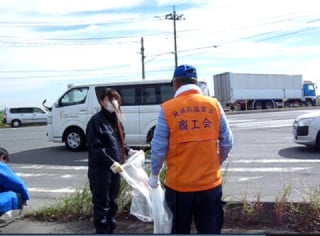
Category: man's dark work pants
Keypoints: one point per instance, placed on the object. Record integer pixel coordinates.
(205, 206)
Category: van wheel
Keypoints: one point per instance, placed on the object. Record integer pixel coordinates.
(150, 135)
(15, 123)
(75, 139)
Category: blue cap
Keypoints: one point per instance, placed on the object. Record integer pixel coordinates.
(185, 71)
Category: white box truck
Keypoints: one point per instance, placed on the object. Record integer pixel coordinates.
(244, 91)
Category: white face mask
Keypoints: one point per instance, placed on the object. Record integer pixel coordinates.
(116, 104)
(114, 107)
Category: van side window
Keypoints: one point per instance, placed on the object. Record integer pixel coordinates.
(74, 96)
(149, 96)
(166, 92)
(156, 93)
(129, 94)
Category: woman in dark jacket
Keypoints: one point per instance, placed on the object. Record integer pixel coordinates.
(106, 149)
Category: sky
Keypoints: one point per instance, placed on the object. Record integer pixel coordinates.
(46, 45)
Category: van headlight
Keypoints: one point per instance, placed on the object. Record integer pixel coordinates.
(305, 121)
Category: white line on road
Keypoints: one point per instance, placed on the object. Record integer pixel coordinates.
(259, 124)
(34, 175)
(245, 179)
(274, 161)
(58, 190)
(52, 167)
(271, 169)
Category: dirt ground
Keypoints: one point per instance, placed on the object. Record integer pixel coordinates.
(259, 219)
(128, 224)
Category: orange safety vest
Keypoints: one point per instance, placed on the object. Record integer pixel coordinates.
(192, 160)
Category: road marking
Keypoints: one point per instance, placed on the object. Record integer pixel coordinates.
(34, 175)
(260, 124)
(58, 190)
(270, 169)
(28, 175)
(83, 160)
(51, 167)
(274, 161)
(67, 176)
(230, 162)
(241, 121)
(244, 179)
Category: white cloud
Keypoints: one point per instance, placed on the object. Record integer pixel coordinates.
(52, 43)
(64, 6)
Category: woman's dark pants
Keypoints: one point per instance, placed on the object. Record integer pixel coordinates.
(104, 198)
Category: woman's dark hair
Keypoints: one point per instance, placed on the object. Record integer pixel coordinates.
(111, 94)
(4, 154)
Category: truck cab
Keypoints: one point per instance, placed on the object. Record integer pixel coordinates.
(309, 92)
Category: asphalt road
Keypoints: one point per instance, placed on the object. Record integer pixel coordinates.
(49, 169)
(263, 163)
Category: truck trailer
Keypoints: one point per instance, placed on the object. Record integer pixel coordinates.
(244, 91)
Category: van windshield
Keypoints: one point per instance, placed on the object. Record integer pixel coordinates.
(74, 96)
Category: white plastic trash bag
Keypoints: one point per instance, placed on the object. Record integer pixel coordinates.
(140, 207)
(162, 216)
(137, 178)
(147, 204)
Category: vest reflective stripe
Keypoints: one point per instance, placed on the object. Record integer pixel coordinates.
(192, 161)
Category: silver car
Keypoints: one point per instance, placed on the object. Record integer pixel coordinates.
(17, 116)
(306, 129)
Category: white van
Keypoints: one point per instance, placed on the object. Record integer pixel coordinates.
(68, 117)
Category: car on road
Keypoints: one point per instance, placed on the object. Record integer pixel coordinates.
(17, 116)
(306, 129)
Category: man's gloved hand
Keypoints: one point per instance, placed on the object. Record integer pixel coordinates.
(153, 181)
(25, 203)
(116, 167)
(132, 152)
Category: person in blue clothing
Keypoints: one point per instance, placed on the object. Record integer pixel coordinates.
(14, 193)
(106, 150)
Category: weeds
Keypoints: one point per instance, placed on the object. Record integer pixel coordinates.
(76, 206)
(299, 217)
(305, 216)
(250, 211)
(282, 204)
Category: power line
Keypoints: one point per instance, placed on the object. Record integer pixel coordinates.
(21, 41)
(287, 34)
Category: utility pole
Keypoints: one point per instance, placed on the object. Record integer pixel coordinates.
(142, 58)
(173, 16)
